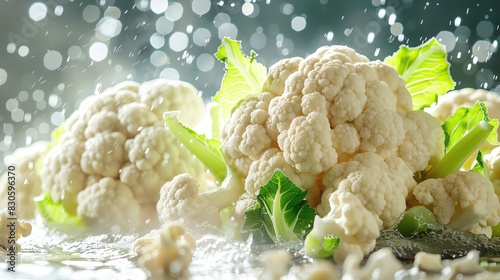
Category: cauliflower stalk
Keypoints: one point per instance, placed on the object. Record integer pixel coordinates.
(109, 159)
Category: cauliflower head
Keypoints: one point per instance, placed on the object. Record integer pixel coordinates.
(114, 152)
(28, 182)
(165, 253)
(318, 111)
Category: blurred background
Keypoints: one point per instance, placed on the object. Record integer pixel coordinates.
(55, 53)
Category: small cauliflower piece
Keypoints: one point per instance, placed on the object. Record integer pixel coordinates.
(118, 139)
(468, 264)
(165, 253)
(321, 270)
(461, 200)
(275, 262)
(350, 221)
(27, 181)
(381, 264)
(428, 262)
(11, 229)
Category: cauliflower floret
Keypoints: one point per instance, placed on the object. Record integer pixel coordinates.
(382, 187)
(461, 200)
(165, 253)
(263, 169)
(180, 202)
(109, 203)
(12, 229)
(381, 265)
(419, 148)
(275, 262)
(27, 181)
(119, 135)
(307, 144)
(350, 221)
(246, 124)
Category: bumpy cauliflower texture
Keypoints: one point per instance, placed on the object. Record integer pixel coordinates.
(115, 153)
(324, 109)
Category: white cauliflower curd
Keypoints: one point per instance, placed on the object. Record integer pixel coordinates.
(114, 153)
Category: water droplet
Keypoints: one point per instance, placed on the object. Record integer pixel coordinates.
(157, 41)
(91, 13)
(98, 51)
(37, 11)
(397, 29)
(23, 51)
(228, 30)
(159, 6)
(164, 25)
(392, 19)
(178, 41)
(205, 62)
(158, 58)
(485, 29)
(3, 76)
(298, 23)
(200, 7)
(448, 39)
(170, 73)
(201, 36)
(52, 60)
(247, 9)
(174, 11)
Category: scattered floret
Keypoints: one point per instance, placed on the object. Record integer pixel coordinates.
(166, 253)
